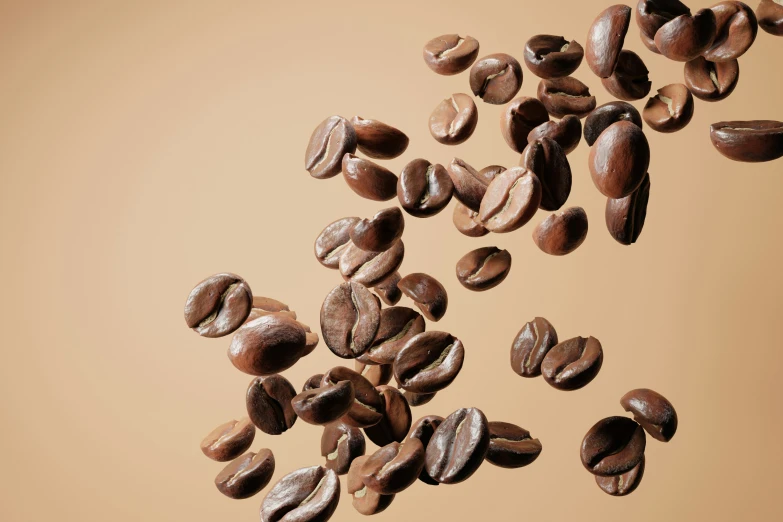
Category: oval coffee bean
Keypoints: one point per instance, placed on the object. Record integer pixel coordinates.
(268, 304)
(547, 160)
(424, 189)
(625, 217)
(387, 289)
(467, 221)
(621, 485)
(341, 445)
(324, 404)
(332, 241)
(330, 141)
(397, 325)
(423, 429)
(458, 446)
(451, 53)
(685, 37)
(531, 345)
(313, 382)
(377, 140)
(750, 141)
(365, 500)
(268, 345)
(619, 159)
(563, 96)
(630, 80)
(246, 475)
(229, 440)
(562, 232)
(572, 364)
(653, 411)
(377, 374)
(566, 132)
(483, 268)
(394, 467)
(371, 268)
(416, 399)
(469, 185)
(511, 446)
(511, 200)
(218, 305)
(367, 408)
(710, 81)
(350, 316)
(369, 179)
(496, 78)
(380, 232)
(607, 114)
(269, 404)
(427, 293)
(396, 418)
(305, 495)
(736, 31)
(770, 16)
(519, 118)
(429, 362)
(549, 56)
(651, 15)
(259, 311)
(670, 110)
(454, 120)
(613, 446)
(491, 172)
(605, 39)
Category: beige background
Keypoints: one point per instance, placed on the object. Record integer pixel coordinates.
(146, 145)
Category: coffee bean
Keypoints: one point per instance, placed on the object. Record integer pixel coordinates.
(531, 345)
(424, 189)
(377, 374)
(653, 411)
(710, 81)
(572, 364)
(483, 268)
(670, 110)
(218, 305)
(491, 172)
(259, 311)
(613, 446)
(469, 185)
(367, 408)
(451, 53)
(371, 268)
(458, 446)
(607, 114)
(770, 16)
(562, 232)
(271, 305)
(751, 141)
(311, 340)
(630, 80)
(324, 404)
(269, 404)
(305, 495)
(549, 56)
(416, 399)
(330, 141)
(519, 118)
(268, 345)
(566, 132)
(619, 159)
(547, 160)
(454, 120)
(365, 500)
(427, 293)
(736, 29)
(378, 140)
(396, 419)
(496, 78)
(423, 429)
(229, 440)
(394, 467)
(467, 221)
(380, 232)
(563, 96)
(313, 383)
(511, 446)
(651, 15)
(368, 179)
(429, 362)
(511, 200)
(625, 484)
(625, 217)
(332, 241)
(397, 325)
(685, 37)
(605, 39)
(341, 445)
(246, 475)
(350, 316)
(388, 291)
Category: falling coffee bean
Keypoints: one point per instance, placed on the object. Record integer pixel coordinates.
(380, 232)
(685, 37)
(563, 96)
(483, 268)
(368, 179)
(670, 110)
(607, 114)
(313, 382)
(511, 200)
(427, 293)
(305, 495)
(458, 446)
(467, 221)
(566, 132)
(511, 446)
(378, 140)
(549, 56)
(229, 440)
(331, 140)
(547, 160)
(496, 78)
(397, 325)
(416, 399)
(218, 305)
(519, 118)
(652, 411)
(613, 446)
(469, 185)
(750, 141)
(268, 345)
(625, 216)
(424, 189)
(619, 159)
(377, 374)
(371, 268)
(394, 467)
(267, 306)
(710, 81)
(454, 120)
(491, 172)
(340, 446)
(770, 16)
(387, 289)
(423, 429)
(451, 54)
(531, 345)
(736, 29)
(365, 500)
(572, 364)
(367, 408)
(350, 316)
(246, 475)
(625, 484)
(605, 39)
(269, 404)
(324, 404)
(630, 80)
(429, 362)
(396, 419)
(562, 232)
(651, 15)
(332, 241)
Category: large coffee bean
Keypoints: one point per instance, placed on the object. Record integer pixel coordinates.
(332, 241)
(621, 485)
(458, 446)
(218, 305)
(547, 160)
(619, 159)
(770, 16)
(711, 81)
(269, 404)
(736, 29)
(350, 316)
(605, 39)
(368, 179)
(653, 411)
(531, 345)
(573, 364)
(483, 268)
(549, 56)
(424, 189)
(396, 419)
(427, 293)
(613, 446)
(378, 140)
(229, 440)
(607, 114)
(511, 446)
(496, 78)
(268, 345)
(397, 325)
(451, 53)
(454, 120)
(562, 232)
(511, 200)
(365, 500)
(751, 141)
(380, 232)
(330, 141)
(341, 445)
(246, 475)
(368, 405)
(324, 404)
(305, 495)
(429, 362)
(467, 221)
(625, 216)
(685, 37)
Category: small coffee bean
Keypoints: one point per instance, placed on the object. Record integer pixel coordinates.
(710, 81)
(218, 305)
(613, 446)
(566, 132)
(653, 411)
(396, 418)
(625, 217)
(324, 404)
(469, 184)
(388, 291)
(311, 341)
(350, 316)
(685, 37)
(572, 364)
(458, 446)
(531, 345)
(607, 114)
(519, 118)
(416, 399)
(496, 78)
(378, 140)
(547, 160)
(257, 312)
(394, 467)
(271, 305)
(367, 408)
(330, 141)
(268, 345)
(313, 383)
(770, 16)
(619, 159)
(368, 179)
(341, 445)
(736, 29)
(625, 484)
(454, 120)
(563, 96)
(246, 475)
(549, 56)
(429, 362)
(365, 500)
(305, 495)
(483, 268)
(451, 53)
(332, 241)
(605, 39)
(467, 221)
(397, 325)
(750, 141)
(423, 429)
(651, 15)
(424, 189)
(511, 446)
(229, 440)
(670, 110)
(269, 404)
(562, 232)
(380, 232)
(377, 374)
(427, 293)
(371, 268)
(511, 200)
(490, 172)
(630, 79)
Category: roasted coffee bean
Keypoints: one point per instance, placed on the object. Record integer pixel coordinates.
(427, 293)
(396, 418)
(380, 232)
(341, 445)
(469, 185)
(454, 120)
(483, 268)
(257, 312)
(268, 345)
(269, 404)
(388, 291)
(218, 305)
(429, 362)
(625, 216)
(246, 475)
(332, 241)
(651, 15)
(710, 81)
(751, 141)
(630, 80)
(770, 16)
(563, 96)
(423, 429)
(305, 495)
(653, 411)
(531, 345)
(371, 268)
(511, 446)
(562, 232)
(416, 399)
(424, 189)
(566, 132)
(394, 467)
(467, 221)
(369, 179)
(367, 408)
(613, 446)
(378, 140)
(365, 500)
(607, 114)
(451, 53)
(625, 484)
(511, 200)
(458, 446)
(491, 172)
(313, 383)
(572, 364)
(549, 56)
(736, 31)
(670, 110)
(398, 324)
(311, 338)
(685, 37)
(496, 78)
(271, 305)
(619, 159)
(519, 119)
(331, 140)
(547, 160)
(605, 39)
(377, 374)
(324, 404)
(350, 316)
(229, 440)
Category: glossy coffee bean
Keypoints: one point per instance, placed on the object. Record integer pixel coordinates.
(397, 325)
(371, 268)
(736, 31)
(613, 446)
(331, 140)
(458, 446)
(549, 56)
(710, 81)
(423, 430)
(619, 159)
(750, 141)
(572, 364)
(380, 232)
(511, 446)
(562, 232)
(341, 445)
(566, 132)
(416, 399)
(229, 440)
(652, 411)
(625, 216)
(467, 221)
(651, 15)
(424, 189)
(670, 110)
(396, 419)
(451, 53)
(368, 179)
(427, 293)
(350, 316)
(511, 200)
(770, 16)
(429, 362)
(454, 120)
(519, 118)
(377, 374)
(630, 80)
(607, 114)
(367, 408)
(305, 495)
(531, 345)
(324, 404)
(394, 467)
(496, 78)
(313, 383)
(218, 305)
(685, 37)
(563, 96)
(332, 241)
(246, 475)
(387, 289)
(269, 404)
(621, 485)
(268, 345)
(378, 140)
(469, 185)
(483, 268)
(365, 500)
(547, 160)
(491, 172)
(605, 39)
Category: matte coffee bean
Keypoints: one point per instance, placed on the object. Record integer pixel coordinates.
(380, 232)
(630, 79)
(625, 216)
(496, 78)
(377, 374)
(547, 160)
(424, 189)
(268, 345)
(387, 289)
(736, 29)
(483, 268)
(613, 446)
(313, 382)
(563, 96)
(271, 305)
(467, 221)
(685, 37)
(549, 56)
(566, 132)
(511, 200)
(394, 467)
(770, 16)
(311, 339)
(429, 362)
(218, 305)
(454, 120)
(417, 399)
(331, 140)
(341, 445)
(371, 268)
(350, 316)
(246, 475)
(469, 185)
(652, 411)
(427, 293)
(619, 159)
(562, 232)
(511, 446)
(269, 404)
(519, 118)
(625, 484)
(670, 110)
(305, 495)
(378, 140)
(365, 500)
(332, 241)
(368, 179)
(605, 39)
(710, 81)
(367, 408)
(573, 364)
(324, 404)
(607, 114)
(396, 418)
(423, 429)
(651, 15)
(451, 53)
(750, 141)
(397, 325)
(531, 345)
(229, 440)
(458, 446)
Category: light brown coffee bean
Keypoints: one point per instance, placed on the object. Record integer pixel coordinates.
(469, 184)
(483, 268)
(496, 78)
(467, 221)
(229, 440)
(333, 240)
(770, 16)
(368, 179)
(365, 500)
(429, 362)
(371, 268)
(511, 200)
(350, 316)
(246, 475)
(378, 140)
(424, 189)
(341, 445)
(218, 305)
(427, 293)
(670, 110)
(451, 53)
(454, 120)
(268, 345)
(562, 232)
(330, 141)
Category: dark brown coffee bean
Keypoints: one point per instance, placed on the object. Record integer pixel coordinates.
(625, 484)
(458, 446)
(619, 159)
(365, 500)
(547, 160)
(429, 362)
(511, 200)
(563, 96)
(427, 293)
(572, 364)
(511, 446)
(369, 179)
(469, 185)
(394, 467)
(377, 374)
(396, 418)
(630, 80)
(549, 56)
(424, 189)
(710, 81)
(607, 114)
(398, 324)
(341, 445)
(313, 383)
(268, 345)
(332, 241)
(625, 217)
(496, 78)
(653, 411)
(246, 475)
(751, 141)
(377, 140)
(350, 316)
(218, 305)
(331, 140)
(605, 39)
(423, 429)
(269, 404)
(566, 132)
(305, 495)
(324, 404)
(388, 291)
(467, 221)
(613, 446)
(651, 15)
(483, 268)
(380, 232)
(416, 399)
(451, 53)
(519, 118)
(229, 440)
(736, 29)
(685, 37)
(770, 16)
(670, 110)
(371, 268)
(562, 232)
(531, 345)
(367, 408)
(454, 120)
